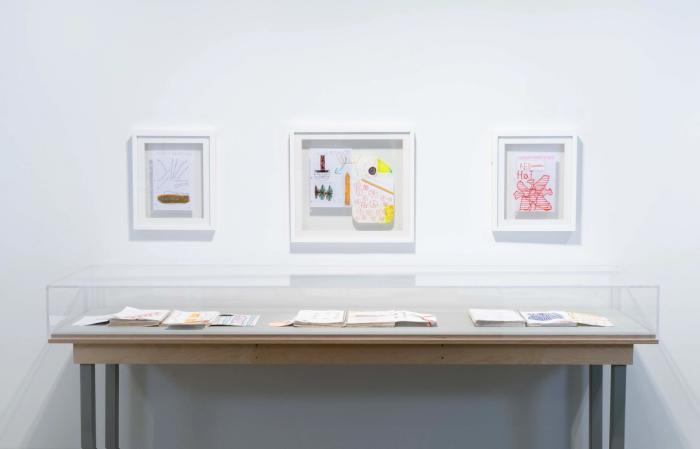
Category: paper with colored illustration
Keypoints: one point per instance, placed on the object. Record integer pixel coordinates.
(171, 180)
(329, 178)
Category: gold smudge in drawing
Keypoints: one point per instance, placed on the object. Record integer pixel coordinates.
(169, 198)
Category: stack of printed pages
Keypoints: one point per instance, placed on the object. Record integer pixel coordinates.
(538, 318)
(131, 316)
(370, 318)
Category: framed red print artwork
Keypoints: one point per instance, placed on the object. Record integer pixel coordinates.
(535, 182)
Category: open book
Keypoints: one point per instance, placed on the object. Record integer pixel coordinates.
(538, 318)
(553, 318)
(130, 316)
(180, 319)
(319, 318)
(389, 318)
(372, 318)
(557, 318)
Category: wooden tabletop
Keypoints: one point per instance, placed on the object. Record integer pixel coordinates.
(454, 341)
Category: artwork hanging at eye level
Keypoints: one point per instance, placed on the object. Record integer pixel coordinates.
(172, 181)
(536, 183)
(351, 187)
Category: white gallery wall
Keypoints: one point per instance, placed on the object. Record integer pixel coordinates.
(76, 77)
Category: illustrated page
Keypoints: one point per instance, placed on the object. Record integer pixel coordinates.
(330, 178)
(172, 180)
(533, 185)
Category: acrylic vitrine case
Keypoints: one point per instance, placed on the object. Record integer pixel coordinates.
(276, 293)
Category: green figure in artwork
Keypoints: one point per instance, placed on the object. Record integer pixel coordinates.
(329, 193)
(322, 193)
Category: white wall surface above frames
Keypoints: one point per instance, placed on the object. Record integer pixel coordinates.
(535, 177)
(351, 187)
(173, 181)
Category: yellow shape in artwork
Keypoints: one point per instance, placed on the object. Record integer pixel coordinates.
(388, 213)
(383, 167)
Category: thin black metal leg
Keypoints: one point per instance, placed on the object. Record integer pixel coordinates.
(88, 429)
(112, 406)
(618, 386)
(595, 407)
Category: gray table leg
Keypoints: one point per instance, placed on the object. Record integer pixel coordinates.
(618, 385)
(112, 406)
(88, 431)
(595, 407)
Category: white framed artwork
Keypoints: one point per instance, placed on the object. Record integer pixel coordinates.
(535, 182)
(351, 186)
(173, 181)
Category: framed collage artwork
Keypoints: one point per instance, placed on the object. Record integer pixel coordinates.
(351, 186)
(535, 182)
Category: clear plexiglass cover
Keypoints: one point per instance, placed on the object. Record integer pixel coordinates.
(277, 292)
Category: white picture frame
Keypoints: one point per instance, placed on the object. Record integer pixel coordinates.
(548, 200)
(196, 150)
(307, 229)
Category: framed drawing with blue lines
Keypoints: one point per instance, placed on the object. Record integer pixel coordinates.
(172, 181)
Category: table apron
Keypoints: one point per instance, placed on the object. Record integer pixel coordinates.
(330, 354)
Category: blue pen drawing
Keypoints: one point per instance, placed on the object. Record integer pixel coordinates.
(172, 180)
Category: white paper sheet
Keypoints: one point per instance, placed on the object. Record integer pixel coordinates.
(236, 320)
(89, 320)
(172, 180)
(330, 178)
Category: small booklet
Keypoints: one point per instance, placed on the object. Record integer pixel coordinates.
(236, 320)
(180, 319)
(554, 318)
(389, 318)
(587, 319)
(496, 318)
(319, 318)
(130, 316)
